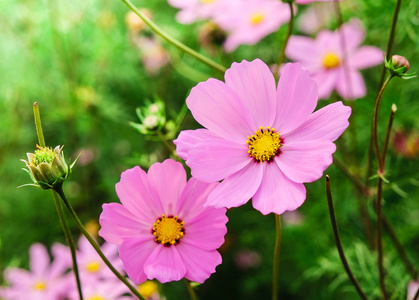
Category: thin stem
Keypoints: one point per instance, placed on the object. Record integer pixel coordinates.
(276, 257)
(38, 125)
(338, 241)
(379, 238)
(169, 146)
(375, 125)
(416, 296)
(388, 131)
(281, 57)
(400, 250)
(173, 41)
(95, 245)
(390, 38)
(69, 239)
(191, 291)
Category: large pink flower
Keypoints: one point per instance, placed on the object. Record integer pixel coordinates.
(324, 59)
(262, 141)
(163, 228)
(248, 21)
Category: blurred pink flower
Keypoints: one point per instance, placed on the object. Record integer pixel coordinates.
(91, 266)
(162, 227)
(265, 142)
(103, 289)
(316, 17)
(247, 259)
(412, 289)
(323, 58)
(192, 10)
(406, 143)
(248, 21)
(154, 56)
(44, 281)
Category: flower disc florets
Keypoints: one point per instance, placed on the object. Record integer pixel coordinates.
(168, 230)
(47, 167)
(264, 144)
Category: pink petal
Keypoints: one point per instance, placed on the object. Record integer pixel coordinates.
(200, 264)
(62, 260)
(135, 194)
(277, 193)
(353, 34)
(326, 82)
(193, 197)
(39, 259)
(118, 224)
(328, 123)
(165, 264)
(207, 230)
(305, 161)
(18, 278)
(351, 85)
(189, 138)
(214, 160)
(168, 179)
(134, 253)
(297, 98)
(238, 188)
(216, 107)
(254, 83)
(303, 49)
(328, 41)
(366, 57)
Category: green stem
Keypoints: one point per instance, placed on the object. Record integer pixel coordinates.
(390, 38)
(191, 291)
(379, 238)
(388, 131)
(276, 257)
(168, 145)
(375, 125)
(69, 239)
(173, 41)
(38, 125)
(281, 57)
(338, 241)
(95, 245)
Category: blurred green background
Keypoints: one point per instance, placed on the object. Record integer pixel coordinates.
(77, 59)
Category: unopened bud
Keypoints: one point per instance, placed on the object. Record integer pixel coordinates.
(400, 62)
(398, 66)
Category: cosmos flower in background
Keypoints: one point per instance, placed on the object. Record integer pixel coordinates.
(332, 68)
(263, 142)
(193, 10)
(44, 281)
(162, 227)
(316, 17)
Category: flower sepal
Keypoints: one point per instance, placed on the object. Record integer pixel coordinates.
(398, 66)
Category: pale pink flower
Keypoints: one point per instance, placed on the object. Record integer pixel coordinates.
(248, 21)
(44, 281)
(162, 227)
(324, 59)
(192, 10)
(104, 289)
(91, 266)
(263, 142)
(153, 55)
(412, 289)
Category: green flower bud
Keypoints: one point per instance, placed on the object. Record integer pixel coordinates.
(398, 66)
(152, 117)
(47, 167)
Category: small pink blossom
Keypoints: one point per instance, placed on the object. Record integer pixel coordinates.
(162, 227)
(248, 21)
(332, 68)
(263, 142)
(193, 10)
(44, 281)
(110, 288)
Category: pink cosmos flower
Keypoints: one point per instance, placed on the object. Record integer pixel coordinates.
(162, 227)
(323, 58)
(44, 281)
(248, 21)
(104, 289)
(263, 142)
(192, 10)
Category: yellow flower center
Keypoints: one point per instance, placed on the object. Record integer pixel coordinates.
(40, 286)
(264, 144)
(330, 61)
(256, 18)
(148, 288)
(168, 230)
(95, 297)
(207, 1)
(93, 266)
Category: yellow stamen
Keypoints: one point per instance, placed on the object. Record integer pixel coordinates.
(207, 1)
(148, 288)
(40, 286)
(264, 144)
(168, 230)
(330, 61)
(93, 266)
(95, 297)
(256, 18)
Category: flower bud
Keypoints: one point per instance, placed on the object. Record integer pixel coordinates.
(47, 167)
(152, 117)
(400, 62)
